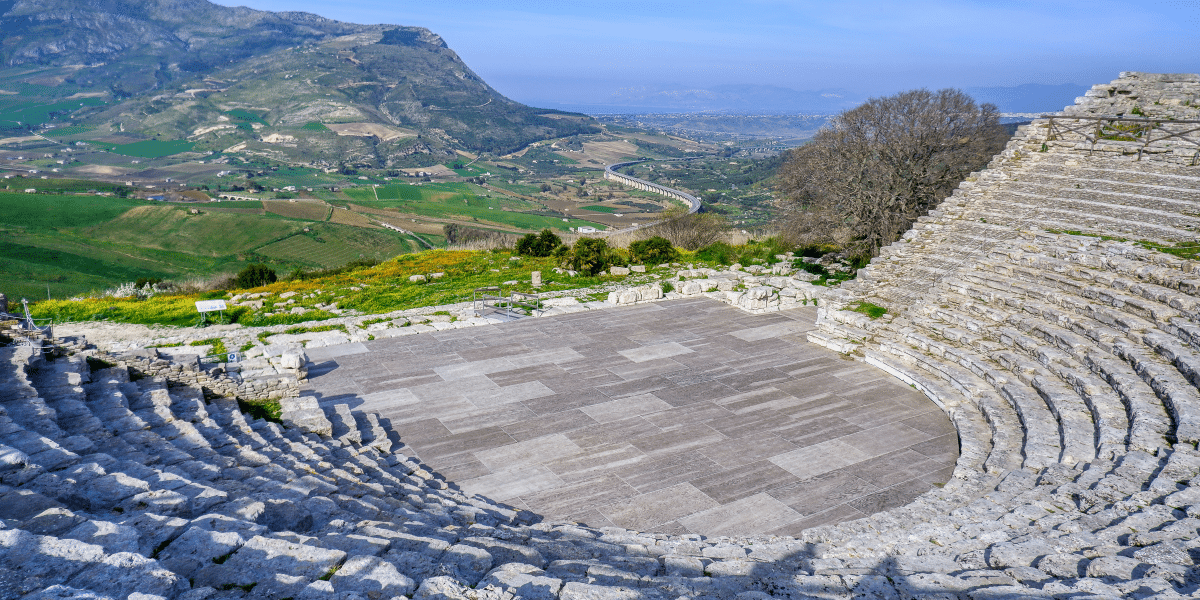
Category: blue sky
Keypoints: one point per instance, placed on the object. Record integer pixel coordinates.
(581, 51)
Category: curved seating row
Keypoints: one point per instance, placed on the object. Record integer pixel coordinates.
(1068, 364)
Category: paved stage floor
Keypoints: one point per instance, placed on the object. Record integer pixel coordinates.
(674, 417)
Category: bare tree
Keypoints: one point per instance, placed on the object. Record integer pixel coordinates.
(866, 177)
(688, 231)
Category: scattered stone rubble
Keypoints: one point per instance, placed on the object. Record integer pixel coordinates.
(1068, 364)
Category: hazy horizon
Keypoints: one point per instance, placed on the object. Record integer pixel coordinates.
(588, 53)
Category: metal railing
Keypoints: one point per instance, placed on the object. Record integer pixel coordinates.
(515, 305)
(1140, 131)
(522, 301)
(483, 298)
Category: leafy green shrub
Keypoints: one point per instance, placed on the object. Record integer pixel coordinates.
(590, 255)
(254, 276)
(542, 244)
(763, 251)
(813, 268)
(267, 410)
(717, 252)
(653, 251)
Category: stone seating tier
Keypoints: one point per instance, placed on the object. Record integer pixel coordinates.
(1068, 364)
(279, 510)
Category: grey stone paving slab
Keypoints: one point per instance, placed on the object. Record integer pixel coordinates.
(763, 332)
(678, 417)
(648, 511)
(527, 453)
(629, 406)
(507, 485)
(329, 352)
(757, 514)
(646, 353)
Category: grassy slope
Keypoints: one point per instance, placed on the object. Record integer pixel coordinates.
(75, 244)
(373, 290)
(385, 287)
(461, 201)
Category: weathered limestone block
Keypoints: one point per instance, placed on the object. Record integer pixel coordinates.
(305, 414)
(262, 556)
(523, 580)
(372, 577)
(756, 298)
(618, 270)
(416, 278)
(696, 287)
(638, 268)
(345, 426)
(468, 562)
(506, 552)
(126, 575)
(635, 295)
(442, 588)
(295, 361)
(12, 459)
(111, 536)
(196, 549)
(107, 491)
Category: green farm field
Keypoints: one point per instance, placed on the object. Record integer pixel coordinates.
(333, 245)
(80, 244)
(208, 234)
(304, 211)
(153, 148)
(462, 202)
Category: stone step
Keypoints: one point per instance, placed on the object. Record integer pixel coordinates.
(1076, 422)
(1167, 382)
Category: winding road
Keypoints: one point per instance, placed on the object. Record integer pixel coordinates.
(611, 173)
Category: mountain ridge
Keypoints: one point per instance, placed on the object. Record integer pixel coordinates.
(171, 68)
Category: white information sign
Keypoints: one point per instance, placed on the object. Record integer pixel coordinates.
(210, 305)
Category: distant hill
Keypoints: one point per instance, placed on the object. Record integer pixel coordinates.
(219, 76)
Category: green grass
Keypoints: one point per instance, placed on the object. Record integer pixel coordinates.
(871, 310)
(77, 244)
(218, 345)
(600, 209)
(245, 116)
(68, 130)
(153, 148)
(380, 289)
(1188, 250)
(332, 245)
(316, 329)
(39, 212)
(38, 112)
(62, 185)
(314, 126)
(267, 410)
(213, 234)
(463, 202)
(69, 261)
